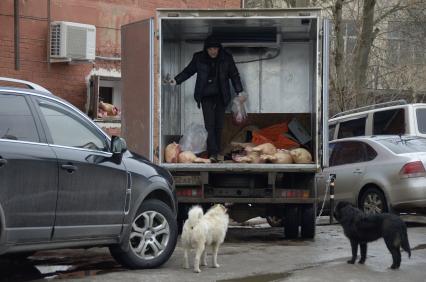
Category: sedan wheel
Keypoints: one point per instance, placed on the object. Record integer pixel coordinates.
(152, 239)
(373, 201)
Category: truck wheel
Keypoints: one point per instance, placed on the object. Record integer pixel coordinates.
(275, 221)
(152, 238)
(308, 223)
(291, 222)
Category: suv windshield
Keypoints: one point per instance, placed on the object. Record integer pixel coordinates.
(404, 145)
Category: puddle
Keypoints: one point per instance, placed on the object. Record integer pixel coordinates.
(283, 275)
(259, 278)
(262, 235)
(419, 247)
(58, 265)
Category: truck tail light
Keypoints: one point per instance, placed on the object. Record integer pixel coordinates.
(296, 193)
(412, 169)
(188, 192)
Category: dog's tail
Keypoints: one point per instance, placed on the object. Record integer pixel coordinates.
(404, 241)
(194, 215)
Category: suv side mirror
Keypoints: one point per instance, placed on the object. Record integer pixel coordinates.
(118, 147)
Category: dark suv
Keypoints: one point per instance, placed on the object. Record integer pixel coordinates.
(65, 183)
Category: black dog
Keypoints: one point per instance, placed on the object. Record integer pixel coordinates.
(361, 228)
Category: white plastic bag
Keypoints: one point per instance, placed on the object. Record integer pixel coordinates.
(194, 139)
(239, 112)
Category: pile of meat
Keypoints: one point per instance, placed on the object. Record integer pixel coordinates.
(106, 109)
(174, 154)
(268, 153)
(244, 153)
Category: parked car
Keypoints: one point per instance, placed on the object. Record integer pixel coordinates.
(378, 173)
(65, 183)
(396, 117)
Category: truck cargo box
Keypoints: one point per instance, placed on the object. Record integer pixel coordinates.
(279, 57)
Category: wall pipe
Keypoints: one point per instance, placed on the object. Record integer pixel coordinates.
(16, 33)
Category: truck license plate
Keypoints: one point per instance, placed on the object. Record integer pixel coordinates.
(187, 180)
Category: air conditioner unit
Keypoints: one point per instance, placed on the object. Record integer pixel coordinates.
(72, 41)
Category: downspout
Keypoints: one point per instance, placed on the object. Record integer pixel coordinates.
(49, 20)
(16, 31)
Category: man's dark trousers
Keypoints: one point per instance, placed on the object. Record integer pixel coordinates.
(214, 114)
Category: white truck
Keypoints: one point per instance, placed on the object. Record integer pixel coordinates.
(282, 57)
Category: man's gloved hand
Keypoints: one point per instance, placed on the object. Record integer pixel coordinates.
(172, 82)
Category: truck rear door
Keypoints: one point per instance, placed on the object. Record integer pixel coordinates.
(137, 53)
(325, 101)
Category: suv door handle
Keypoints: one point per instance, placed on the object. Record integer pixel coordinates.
(357, 171)
(2, 162)
(69, 167)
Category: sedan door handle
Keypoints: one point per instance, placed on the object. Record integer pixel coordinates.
(2, 162)
(357, 171)
(69, 167)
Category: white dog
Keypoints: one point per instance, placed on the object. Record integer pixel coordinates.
(202, 230)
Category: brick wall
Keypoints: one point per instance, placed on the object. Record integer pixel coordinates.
(68, 80)
(112, 130)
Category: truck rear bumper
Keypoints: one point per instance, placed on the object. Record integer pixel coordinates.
(247, 200)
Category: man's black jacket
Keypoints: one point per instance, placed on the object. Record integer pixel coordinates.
(200, 64)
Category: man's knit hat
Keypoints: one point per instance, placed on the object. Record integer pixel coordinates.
(212, 42)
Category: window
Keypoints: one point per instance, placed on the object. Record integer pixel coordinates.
(331, 130)
(331, 147)
(370, 152)
(16, 120)
(421, 120)
(351, 152)
(349, 35)
(406, 42)
(389, 122)
(354, 127)
(105, 98)
(105, 94)
(67, 129)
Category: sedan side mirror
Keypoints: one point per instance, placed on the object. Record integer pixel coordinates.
(118, 147)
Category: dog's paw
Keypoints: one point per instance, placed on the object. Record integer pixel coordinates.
(351, 261)
(393, 266)
(216, 265)
(186, 266)
(361, 261)
(204, 263)
(197, 270)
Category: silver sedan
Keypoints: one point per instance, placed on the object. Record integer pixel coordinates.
(377, 173)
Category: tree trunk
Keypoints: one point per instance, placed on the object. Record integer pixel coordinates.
(339, 59)
(362, 52)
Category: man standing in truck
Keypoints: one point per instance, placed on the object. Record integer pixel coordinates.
(214, 67)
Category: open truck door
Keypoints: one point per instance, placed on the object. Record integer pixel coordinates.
(325, 100)
(137, 41)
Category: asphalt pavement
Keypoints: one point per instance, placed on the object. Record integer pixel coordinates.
(253, 253)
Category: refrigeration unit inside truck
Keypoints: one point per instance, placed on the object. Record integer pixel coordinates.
(282, 58)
